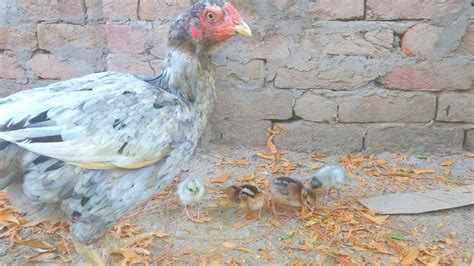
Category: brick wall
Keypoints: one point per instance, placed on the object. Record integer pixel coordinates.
(341, 75)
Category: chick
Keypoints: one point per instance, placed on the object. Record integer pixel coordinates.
(290, 192)
(329, 177)
(247, 197)
(190, 192)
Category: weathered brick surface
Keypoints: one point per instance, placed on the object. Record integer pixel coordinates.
(431, 76)
(134, 64)
(47, 66)
(306, 136)
(237, 131)
(235, 74)
(49, 11)
(410, 9)
(467, 43)
(469, 141)
(54, 37)
(420, 40)
(349, 41)
(18, 38)
(332, 69)
(10, 68)
(267, 104)
(414, 138)
(121, 10)
(124, 39)
(456, 108)
(387, 109)
(316, 108)
(167, 10)
(326, 9)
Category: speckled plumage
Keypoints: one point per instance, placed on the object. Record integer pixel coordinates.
(93, 148)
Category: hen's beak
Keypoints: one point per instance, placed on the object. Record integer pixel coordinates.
(243, 29)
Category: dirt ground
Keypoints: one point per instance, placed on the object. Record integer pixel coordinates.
(344, 233)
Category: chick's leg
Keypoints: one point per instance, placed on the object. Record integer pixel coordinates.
(187, 212)
(89, 254)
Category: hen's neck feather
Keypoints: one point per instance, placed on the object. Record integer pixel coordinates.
(189, 76)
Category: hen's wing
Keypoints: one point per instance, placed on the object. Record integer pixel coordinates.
(100, 121)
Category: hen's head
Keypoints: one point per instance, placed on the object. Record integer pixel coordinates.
(205, 25)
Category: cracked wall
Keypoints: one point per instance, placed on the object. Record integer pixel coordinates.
(341, 75)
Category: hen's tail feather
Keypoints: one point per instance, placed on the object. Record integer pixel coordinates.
(10, 163)
(35, 210)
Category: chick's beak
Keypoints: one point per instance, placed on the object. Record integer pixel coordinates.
(243, 29)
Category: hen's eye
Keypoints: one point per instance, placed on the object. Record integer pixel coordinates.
(211, 16)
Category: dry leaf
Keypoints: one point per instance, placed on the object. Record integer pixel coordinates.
(220, 179)
(434, 261)
(375, 219)
(410, 257)
(9, 217)
(423, 171)
(469, 154)
(234, 246)
(188, 251)
(238, 226)
(47, 256)
(38, 243)
(161, 234)
(265, 156)
(274, 222)
(244, 163)
(216, 262)
(448, 162)
(308, 245)
(247, 178)
(201, 220)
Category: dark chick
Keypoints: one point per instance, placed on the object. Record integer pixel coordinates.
(247, 197)
(290, 192)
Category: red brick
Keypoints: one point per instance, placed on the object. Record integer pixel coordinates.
(123, 39)
(57, 36)
(18, 38)
(466, 46)
(10, 68)
(133, 64)
(316, 108)
(48, 67)
(265, 104)
(414, 138)
(387, 109)
(455, 107)
(52, 11)
(167, 10)
(420, 40)
(120, 10)
(305, 136)
(340, 39)
(410, 9)
(431, 76)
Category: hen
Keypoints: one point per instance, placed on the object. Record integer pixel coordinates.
(93, 148)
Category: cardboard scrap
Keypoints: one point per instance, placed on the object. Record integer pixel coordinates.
(421, 202)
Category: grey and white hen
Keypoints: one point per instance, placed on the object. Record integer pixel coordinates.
(93, 148)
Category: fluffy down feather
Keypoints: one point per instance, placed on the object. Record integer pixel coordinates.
(329, 177)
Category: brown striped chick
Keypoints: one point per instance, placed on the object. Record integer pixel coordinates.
(290, 192)
(247, 197)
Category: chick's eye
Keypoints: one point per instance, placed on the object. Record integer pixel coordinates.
(211, 17)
